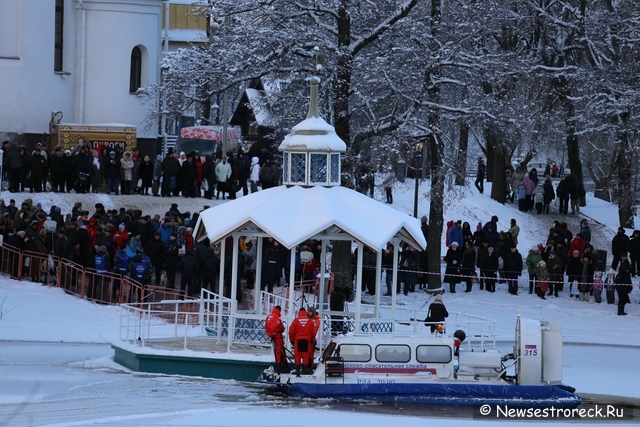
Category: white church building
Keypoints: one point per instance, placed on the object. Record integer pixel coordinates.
(78, 61)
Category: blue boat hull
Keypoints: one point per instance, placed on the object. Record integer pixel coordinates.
(450, 394)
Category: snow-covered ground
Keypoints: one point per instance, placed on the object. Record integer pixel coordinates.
(51, 376)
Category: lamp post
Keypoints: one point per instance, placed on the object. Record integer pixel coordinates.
(418, 168)
(635, 185)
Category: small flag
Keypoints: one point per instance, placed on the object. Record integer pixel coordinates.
(530, 347)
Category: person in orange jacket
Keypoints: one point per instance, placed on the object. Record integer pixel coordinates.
(313, 326)
(274, 327)
(299, 337)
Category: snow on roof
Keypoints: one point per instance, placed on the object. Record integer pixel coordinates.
(295, 214)
(313, 134)
(258, 105)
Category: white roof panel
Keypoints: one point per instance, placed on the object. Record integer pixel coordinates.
(293, 215)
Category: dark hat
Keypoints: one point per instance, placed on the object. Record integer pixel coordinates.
(99, 206)
(173, 235)
(620, 228)
(513, 245)
(624, 254)
(423, 219)
(112, 153)
(60, 231)
(552, 252)
(459, 222)
(174, 205)
(170, 151)
(12, 201)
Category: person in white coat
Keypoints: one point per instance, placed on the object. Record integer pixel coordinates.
(223, 174)
(254, 175)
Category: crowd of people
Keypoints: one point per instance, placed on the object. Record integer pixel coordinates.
(150, 249)
(489, 256)
(115, 171)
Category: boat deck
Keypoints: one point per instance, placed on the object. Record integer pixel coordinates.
(207, 344)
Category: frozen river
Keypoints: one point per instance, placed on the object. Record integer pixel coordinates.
(78, 384)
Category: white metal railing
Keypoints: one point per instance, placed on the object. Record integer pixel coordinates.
(142, 322)
(216, 316)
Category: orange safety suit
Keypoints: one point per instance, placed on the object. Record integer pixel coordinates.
(313, 326)
(299, 335)
(274, 327)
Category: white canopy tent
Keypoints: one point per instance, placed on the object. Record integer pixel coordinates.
(295, 214)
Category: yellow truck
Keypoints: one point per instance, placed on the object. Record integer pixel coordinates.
(96, 136)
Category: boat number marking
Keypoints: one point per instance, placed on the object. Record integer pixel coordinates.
(360, 381)
(531, 352)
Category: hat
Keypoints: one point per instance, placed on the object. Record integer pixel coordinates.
(542, 264)
(60, 231)
(103, 249)
(99, 206)
(611, 271)
(576, 252)
(112, 153)
(490, 249)
(38, 205)
(459, 222)
(552, 252)
(454, 243)
(424, 219)
(173, 235)
(479, 226)
(174, 205)
(620, 228)
(438, 298)
(67, 152)
(92, 220)
(121, 225)
(182, 154)
(38, 145)
(12, 201)
(535, 248)
(513, 246)
(624, 254)
(583, 221)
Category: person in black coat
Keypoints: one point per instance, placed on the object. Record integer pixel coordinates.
(623, 283)
(619, 244)
(155, 251)
(145, 173)
(112, 173)
(37, 164)
(210, 176)
(83, 170)
(188, 267)
(489, 266)
(62, 248)
(171, 260)
(56, 171)
(437, 313)
(549, 195)
(468, 267)
(12, 164)
(513, 269)
(189, 173)
(209, 268)
(453, 259)
(24, 171)
(270, 272)
(244, 172)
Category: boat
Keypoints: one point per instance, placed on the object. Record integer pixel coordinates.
(437, 369)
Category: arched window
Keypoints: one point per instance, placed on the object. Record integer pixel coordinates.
(135, 75)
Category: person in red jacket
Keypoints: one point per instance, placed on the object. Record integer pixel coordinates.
(577, 244)
(313, 325)
(121, 237)
(274, 327)
(299, 336)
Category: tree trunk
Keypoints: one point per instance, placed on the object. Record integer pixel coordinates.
(341, 264)
(626, 195)
(436, 212)
(461, 164)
